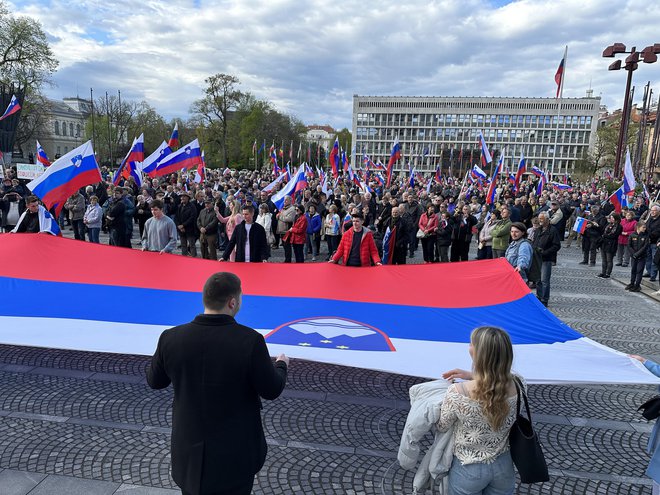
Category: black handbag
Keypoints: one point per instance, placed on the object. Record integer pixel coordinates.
(651, 408)
(526, 451)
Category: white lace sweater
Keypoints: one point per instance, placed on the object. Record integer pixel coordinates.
(474, 439)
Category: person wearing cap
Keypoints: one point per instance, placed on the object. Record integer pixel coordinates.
(207, 224)
(186, 218)
(357, 246)
(519, 252)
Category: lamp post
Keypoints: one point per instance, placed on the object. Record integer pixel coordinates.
(648, 56)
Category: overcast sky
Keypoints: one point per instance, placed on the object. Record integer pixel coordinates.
(308, 57)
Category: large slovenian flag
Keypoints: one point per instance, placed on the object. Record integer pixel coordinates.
(189, 156)
(151, 162)
(413, 332)
(395, 155)
(334, 159)
(76, 169)
(42, 157)
(131, 166)
(13, 107)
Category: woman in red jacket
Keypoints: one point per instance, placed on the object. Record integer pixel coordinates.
(296, 237)
(428, 224)
(357, 246)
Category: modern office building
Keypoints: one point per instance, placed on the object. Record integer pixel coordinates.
(433, 130)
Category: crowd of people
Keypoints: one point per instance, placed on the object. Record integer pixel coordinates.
(230, 217)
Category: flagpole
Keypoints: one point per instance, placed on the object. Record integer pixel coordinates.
(561, 96)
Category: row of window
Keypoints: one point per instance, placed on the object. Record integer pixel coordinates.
(470, 135)
(467, 119)
(61, 129)
(433, 151)
(545, 163)
(495, 105)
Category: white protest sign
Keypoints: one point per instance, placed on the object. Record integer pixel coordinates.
(29, 170)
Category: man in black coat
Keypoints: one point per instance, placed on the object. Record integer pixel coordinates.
(186, 223)
(592, 236)
(219, 370)
(547, 243)
(249, 239)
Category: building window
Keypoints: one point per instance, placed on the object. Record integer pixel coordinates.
(70, 129)
(63, 128)
(78, 130)
(57, 128)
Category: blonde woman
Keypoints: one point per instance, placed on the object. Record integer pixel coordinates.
(481, 411)
(231, 221)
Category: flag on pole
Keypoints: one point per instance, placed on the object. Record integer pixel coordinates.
(334, 159)
(492, 187)
(477, 173)
(173, 143)
(151, 162)
(189, 156)
(272, 185)
(629, 182)
(76, 169)
(13, 107)
(522, 168)
(617, 199)
(200, 173)
(543, 180)
(559, 75)
(395, 155)
(41, 156)
(485, 154)
(131, 166)
(254, 147)
(411, 178)
(291, 188)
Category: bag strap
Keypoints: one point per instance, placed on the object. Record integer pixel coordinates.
(520, 391)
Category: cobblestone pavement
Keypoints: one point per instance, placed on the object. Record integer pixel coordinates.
(86, 423)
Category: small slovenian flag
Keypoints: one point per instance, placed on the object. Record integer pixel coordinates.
(617, 199)
(486, 158)
(395, 155)
(41, 156)
(477, 173)
(173, 143)
(561, 187)
(537, 171)
(14, 106)
(580, 225)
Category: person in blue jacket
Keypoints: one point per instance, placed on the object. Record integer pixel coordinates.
(313, 231)
(653, 471)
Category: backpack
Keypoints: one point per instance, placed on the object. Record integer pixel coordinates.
(534, 270)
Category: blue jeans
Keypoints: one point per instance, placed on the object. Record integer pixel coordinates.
(496, 478)
(651, 269)
(543, 287)
(93, 234)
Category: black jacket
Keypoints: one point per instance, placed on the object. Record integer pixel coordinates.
(219, 370)
(547, 243)
(187, 216)
(258, 243)
(638, 244)
(653, 228)
(462, 232)
(444, 233)
(611, 237)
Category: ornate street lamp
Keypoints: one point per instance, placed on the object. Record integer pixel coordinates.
(648, 56)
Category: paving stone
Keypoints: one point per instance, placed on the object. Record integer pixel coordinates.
(144, 490)
(53, 485)
(18, 482)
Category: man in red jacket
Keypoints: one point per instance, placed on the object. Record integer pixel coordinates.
(357, 246)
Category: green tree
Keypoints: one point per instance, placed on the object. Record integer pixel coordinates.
(25, 55)
(214, 109)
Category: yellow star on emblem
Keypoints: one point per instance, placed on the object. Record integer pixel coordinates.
(326, 341)
(304, 344)
(342, 347)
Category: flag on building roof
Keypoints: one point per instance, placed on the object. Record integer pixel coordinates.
(559, 75)
(188, 156)
(41, 156)
(173, 143)
(151, 162)
(485, 154)
(395, 155)
(13, 107)
(76, 169)
(629, 182)
(616, 198)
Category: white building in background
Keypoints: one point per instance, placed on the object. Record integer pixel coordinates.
(322, 135)
(429, 127)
